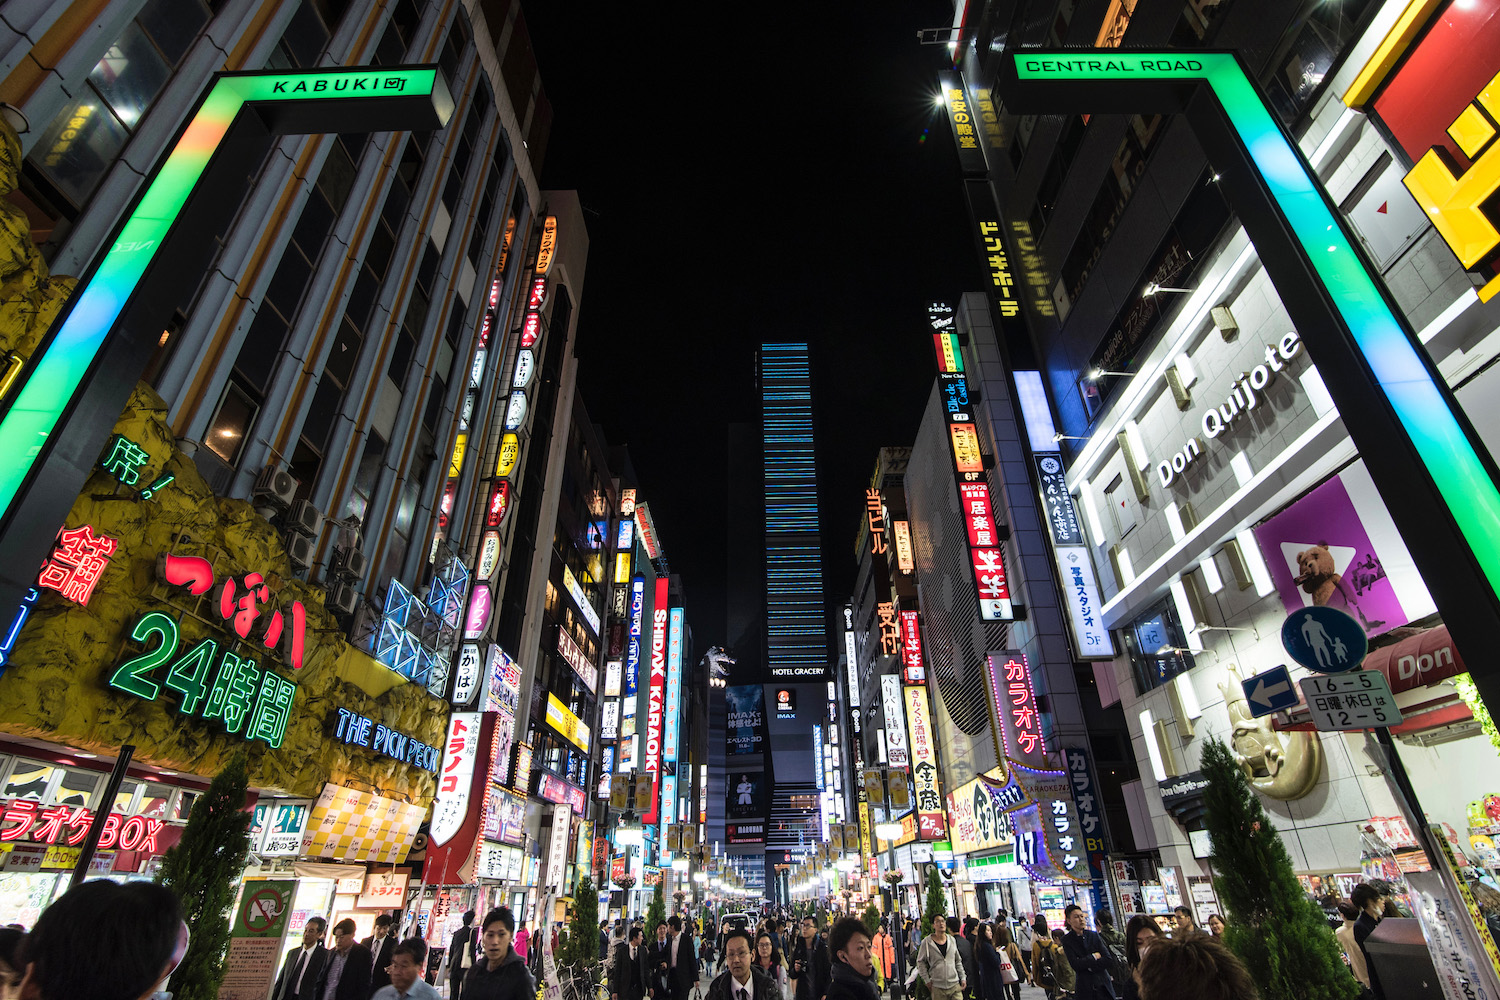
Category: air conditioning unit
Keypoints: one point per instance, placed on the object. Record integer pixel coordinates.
(276, 486)
(344, 598)
(299, 549)
(350, 563)
(304, 519)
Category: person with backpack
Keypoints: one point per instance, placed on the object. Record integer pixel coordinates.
(1114, 942)
(1049, 966)
(1088, 955)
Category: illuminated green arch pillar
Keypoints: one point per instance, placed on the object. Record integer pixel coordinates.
(1434, 475)
(72, 389)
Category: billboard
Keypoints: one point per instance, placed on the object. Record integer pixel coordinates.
(656, 700)
(745, 718)
(1337, 547)
(745, 795)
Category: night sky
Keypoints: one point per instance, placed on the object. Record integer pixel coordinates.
(753, 174)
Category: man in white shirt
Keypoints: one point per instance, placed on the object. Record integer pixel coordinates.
(741, 980)
(303, 966)
(405, 969)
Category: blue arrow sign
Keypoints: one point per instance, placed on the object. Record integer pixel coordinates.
(1270, 692)
(1324, 639)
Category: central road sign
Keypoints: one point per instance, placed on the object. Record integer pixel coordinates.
(1270, 692)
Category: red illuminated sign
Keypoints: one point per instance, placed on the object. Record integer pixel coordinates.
(242, 608)
(656, 699)
(29, 820)
(911, 649)
(554, 789)
(76, 564)
(531, 329)
(978, 519)
(499, 503)
(985, 557)
(538, 294)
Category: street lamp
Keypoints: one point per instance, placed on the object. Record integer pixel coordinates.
(890, 833)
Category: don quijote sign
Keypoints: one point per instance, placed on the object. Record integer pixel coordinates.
(1244, 395)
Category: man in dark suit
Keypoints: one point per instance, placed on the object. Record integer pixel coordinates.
(682, 964)
(627, 971)
(462, 943)
(303, 966)
(346, 974)
(659, 964)
(381, 945)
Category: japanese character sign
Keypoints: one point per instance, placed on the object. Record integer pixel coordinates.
(890, 631)
(1013, 711)
(75, 565)
(240, 603)
(875, 517)
(911, 649)
(125, 460)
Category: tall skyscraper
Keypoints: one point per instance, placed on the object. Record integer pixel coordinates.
(796, 632)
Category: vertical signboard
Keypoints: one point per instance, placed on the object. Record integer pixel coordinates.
(745, 718)
(1075, 565)
(633, 646)
(851, 663)
(895, 729)
(1090, 812)
(924, 767)
(451, 806)
(985, 559)
(674, 682)
(656, 696)
(557, 854)
(1012, 705)
(255, 940)
(912, 668)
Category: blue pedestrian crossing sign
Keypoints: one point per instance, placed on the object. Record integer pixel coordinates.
(1324, 639)
(1270, 692)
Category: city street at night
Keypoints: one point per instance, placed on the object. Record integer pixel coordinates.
(940, 500)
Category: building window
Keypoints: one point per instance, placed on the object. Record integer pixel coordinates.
(1157, 644)
(1308, 51)
(80, 145)
(231, 424)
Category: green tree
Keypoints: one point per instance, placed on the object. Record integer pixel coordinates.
(871, 918)
(1277, 931)
(578, 945)
(656, 913)
(204, 869)
(937, 901)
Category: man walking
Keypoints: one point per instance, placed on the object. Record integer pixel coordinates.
(501, 974)
(1089, 957)
(406, 974)
(741, 980)
(966, 956)
(627, 970)
(938, 963)
(303, 966)
(682, 969)
(460, 956)
(810, 968)
(659, 963)
(346, 974)
(382, 945)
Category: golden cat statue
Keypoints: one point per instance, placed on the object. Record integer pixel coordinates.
(1279, 765)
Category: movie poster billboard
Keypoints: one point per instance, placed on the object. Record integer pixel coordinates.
(1338, 547)
(745, 708)
(745, 795)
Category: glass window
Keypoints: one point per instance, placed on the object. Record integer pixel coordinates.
(125, 797)
(172, 25)
(154, 801)
(76, 788)
(231, 425)
(367, 476)
(28, 779)
(406, 510)
(1156, 644)
(184, 806)
(130, 75)
(78, 147)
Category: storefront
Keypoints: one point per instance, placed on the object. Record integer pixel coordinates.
(175, 623)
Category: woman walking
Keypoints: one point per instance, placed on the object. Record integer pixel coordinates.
(768, 960)
(1141, 934)
(1006, 945)
(997, 973)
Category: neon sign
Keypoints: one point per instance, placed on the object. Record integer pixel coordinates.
(548, 245)
(531, 329)
(241, 695)
(911, 649)
(656, 700)
(360, 730)
(538, 294)
(633, 647)
(494, 514)
(675, 624)
(125, 460)
(197, 575)
(1013, 711)
(77, 563)
(29, 820)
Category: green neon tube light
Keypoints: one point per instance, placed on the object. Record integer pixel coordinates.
(1439, 440)
(32, 419)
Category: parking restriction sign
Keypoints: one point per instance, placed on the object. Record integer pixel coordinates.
(1360, 699)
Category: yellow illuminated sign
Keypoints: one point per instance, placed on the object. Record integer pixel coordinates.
(510, 450)
(548, 245)
(1455, 202)
(460, 445)
(568, 725)
(622, 567)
